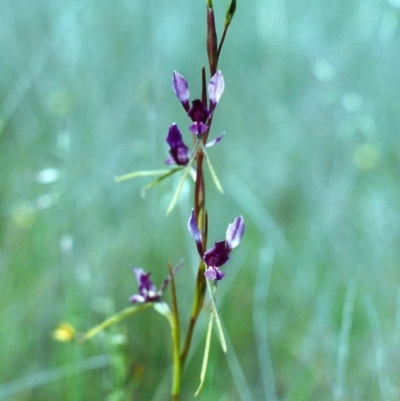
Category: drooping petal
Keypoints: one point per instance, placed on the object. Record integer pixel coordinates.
(198, 128)
(137, 299)
(215, 89)
(181, 89)
(198, 112)
(213, 273)
(195, 233)
(234, 233)
(217, 255)
(179, 152)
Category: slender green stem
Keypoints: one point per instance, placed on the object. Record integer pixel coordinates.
(222, 41)
(177, 366)
(175, 332)
(201, 220)
(196, 308)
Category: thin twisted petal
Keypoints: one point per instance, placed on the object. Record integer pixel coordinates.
(215, 89)
(181, 89)
(217, 255)
(195, 233)
(215, 141)
(234, 233)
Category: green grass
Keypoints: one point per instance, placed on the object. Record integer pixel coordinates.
(310, 303)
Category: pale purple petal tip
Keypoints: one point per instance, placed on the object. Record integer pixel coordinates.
(216, 88)
(139, 273)
(214, 141)
(137, 299)
(181, 89)
(213, 273)
(234, 233)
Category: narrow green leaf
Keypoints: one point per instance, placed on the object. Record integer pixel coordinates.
(178, 190)
(115, 319)
(135, 174)
(206, 353)
(217, 321)
(158, 180)
(212, 172)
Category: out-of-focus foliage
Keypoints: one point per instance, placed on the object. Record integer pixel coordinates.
(311, 300)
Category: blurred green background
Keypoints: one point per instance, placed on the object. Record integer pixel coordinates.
(311, 111)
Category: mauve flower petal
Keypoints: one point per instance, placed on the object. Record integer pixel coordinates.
(195, 232)
(137, 299)
(138, 272)
(181, 89)
(174, 137)
(234, 233)
(179, 152)
(216, 256)
(215, 89)
(213, 273)
(170, 161)
(198, 128)
(214, 141)
(182, 155)
(146, 286)
(198, 112)
(147, 290)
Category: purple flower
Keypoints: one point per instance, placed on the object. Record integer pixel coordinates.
(218, 255)
(179, 152)
(147, 290)
(199, 113)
